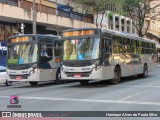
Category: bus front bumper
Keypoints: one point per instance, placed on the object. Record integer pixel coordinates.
(97, 75)
(23, 78)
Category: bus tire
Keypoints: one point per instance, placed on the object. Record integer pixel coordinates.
(117, 76)
(145, 72)
(58, 81)
(84, 82)
(8, 83)
(33, 83)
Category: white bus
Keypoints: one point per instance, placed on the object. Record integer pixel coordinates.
(33, 58)
(101, 54)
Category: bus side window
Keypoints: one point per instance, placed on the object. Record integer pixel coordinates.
(107, 45)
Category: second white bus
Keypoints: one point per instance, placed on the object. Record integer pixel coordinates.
(101, 54)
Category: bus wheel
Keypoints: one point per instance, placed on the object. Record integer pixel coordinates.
(8, 83)
(84, 82)
(58, 81)
(145, 72)
(117, 76)
(33, 83)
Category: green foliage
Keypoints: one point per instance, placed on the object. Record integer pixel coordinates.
(101, 5)
(141, 9)
(110, 15)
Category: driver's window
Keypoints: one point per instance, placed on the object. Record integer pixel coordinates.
(46, 52)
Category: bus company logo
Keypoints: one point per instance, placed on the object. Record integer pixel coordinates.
(14, 100)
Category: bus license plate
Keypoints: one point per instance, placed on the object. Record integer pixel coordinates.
(18, 77)
(77, 75)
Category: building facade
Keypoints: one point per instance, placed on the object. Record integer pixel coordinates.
(153, 32)
(52, 18)
(116, 22)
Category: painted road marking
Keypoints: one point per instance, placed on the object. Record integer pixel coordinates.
(87, 100)
(133, 95)
(138, 86)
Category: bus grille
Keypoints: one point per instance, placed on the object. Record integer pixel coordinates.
(84, 74)
(76, 63)
(22, 76)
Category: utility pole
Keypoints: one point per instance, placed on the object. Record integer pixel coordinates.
(34, 18)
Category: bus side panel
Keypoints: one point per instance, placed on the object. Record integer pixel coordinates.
(33, 77)
(138, 65)
(150, 60)
(108, 72)
(119, 59)
(48, 74)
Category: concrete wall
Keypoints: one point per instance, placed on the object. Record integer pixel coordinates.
(19, 14)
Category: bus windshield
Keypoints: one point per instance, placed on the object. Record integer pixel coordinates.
(22, 53)
(81, 49)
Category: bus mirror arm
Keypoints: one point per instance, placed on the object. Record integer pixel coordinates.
(34, 66)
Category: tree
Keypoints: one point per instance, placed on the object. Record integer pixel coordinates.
(142, 10)
(100, 7)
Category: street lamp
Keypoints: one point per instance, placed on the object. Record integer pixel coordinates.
(34, 18)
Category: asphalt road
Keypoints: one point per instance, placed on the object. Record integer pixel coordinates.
(132, 94)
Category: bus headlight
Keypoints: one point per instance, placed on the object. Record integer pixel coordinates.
(35, 70)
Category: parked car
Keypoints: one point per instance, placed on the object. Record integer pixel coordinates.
(3, 76)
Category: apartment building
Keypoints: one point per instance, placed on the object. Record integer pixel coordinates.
(156, 10)
(52, 18)
(114, 21)
(154, 25)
